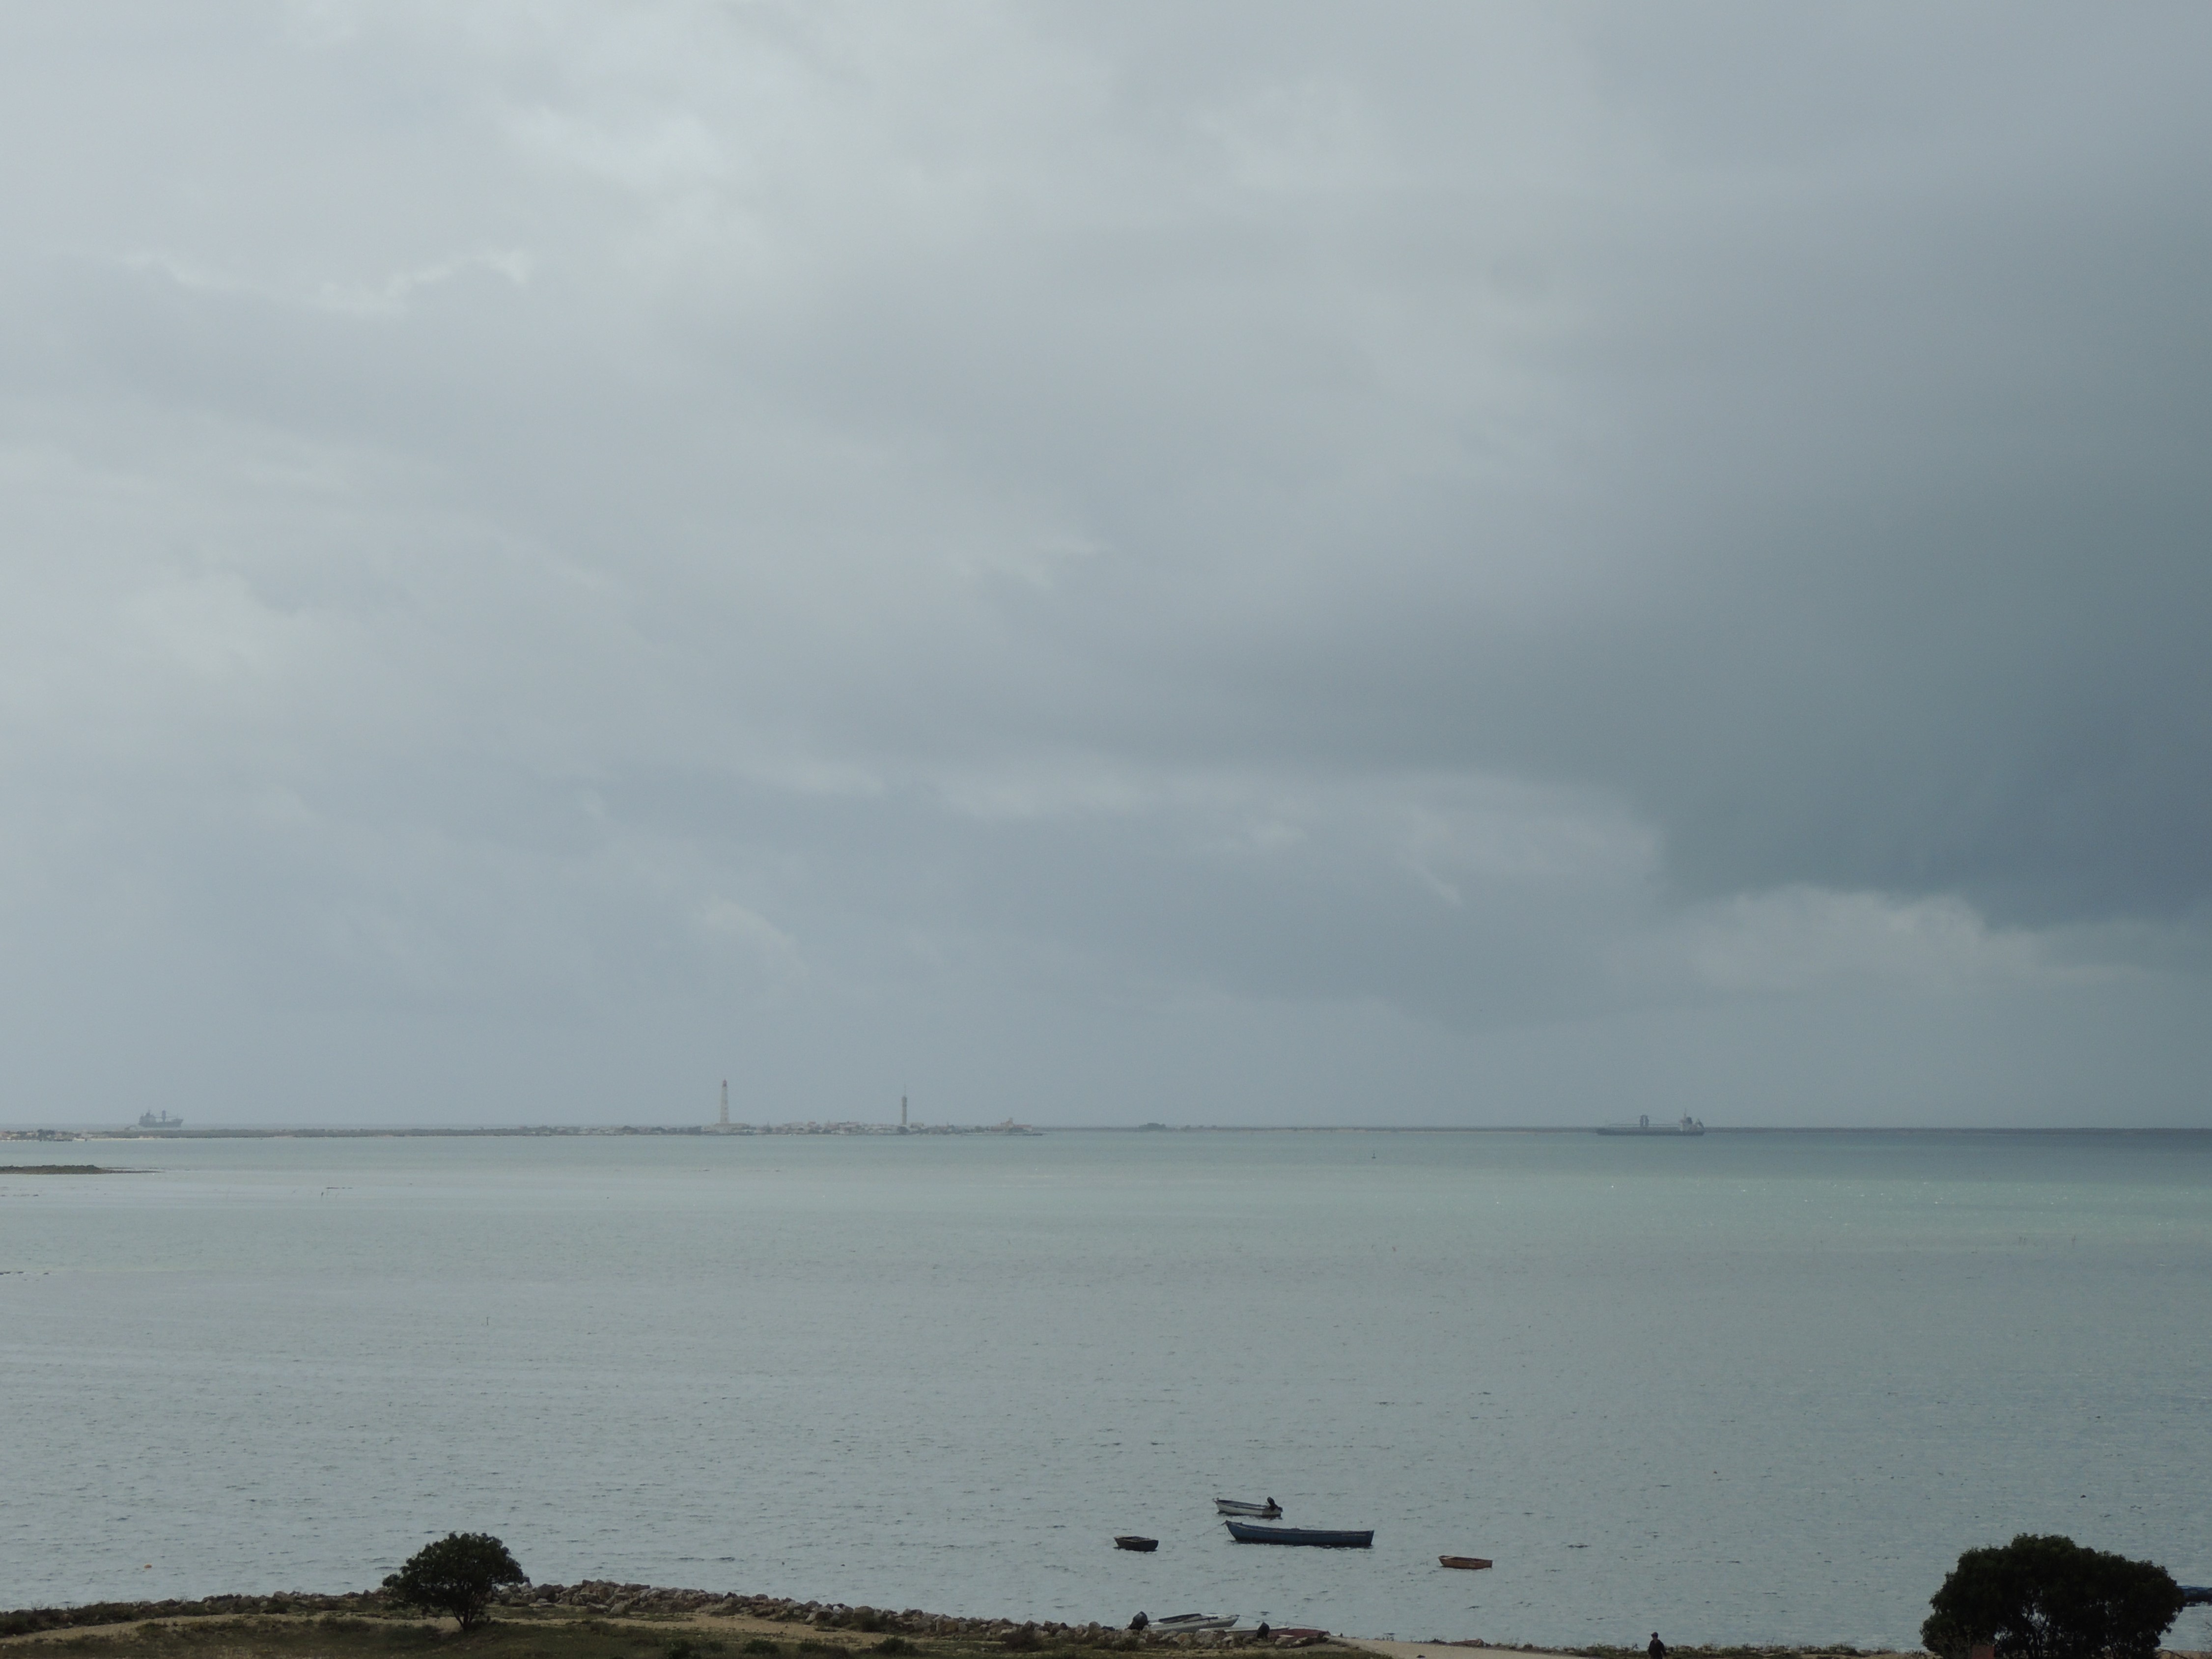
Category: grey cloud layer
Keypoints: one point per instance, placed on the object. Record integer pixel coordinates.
(819, 530)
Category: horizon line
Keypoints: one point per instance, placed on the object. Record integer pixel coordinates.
(247, 1130)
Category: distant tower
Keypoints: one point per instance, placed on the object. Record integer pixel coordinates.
(726, 1102)
(902, 1111)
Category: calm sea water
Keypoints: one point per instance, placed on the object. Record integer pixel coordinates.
(1751, 1387)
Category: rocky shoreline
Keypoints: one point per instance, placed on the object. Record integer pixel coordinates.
(610, 1600)
(844, 1627)
(646, 1602)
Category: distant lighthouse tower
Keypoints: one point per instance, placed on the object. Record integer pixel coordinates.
(725, 1103)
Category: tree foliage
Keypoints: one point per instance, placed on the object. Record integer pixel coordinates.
(458, 1574)
(2048, 1597)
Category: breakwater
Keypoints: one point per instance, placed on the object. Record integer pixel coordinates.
(606, 1598)
(645, 1601)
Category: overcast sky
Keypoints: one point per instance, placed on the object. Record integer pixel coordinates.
(1220, 564)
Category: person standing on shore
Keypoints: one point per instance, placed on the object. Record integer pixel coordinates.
(1658, 1648)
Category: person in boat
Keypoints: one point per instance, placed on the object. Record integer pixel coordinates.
(1658, 1649)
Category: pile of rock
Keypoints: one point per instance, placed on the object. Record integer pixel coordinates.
(24, 1621)
(649, 1601)
(615, 1601)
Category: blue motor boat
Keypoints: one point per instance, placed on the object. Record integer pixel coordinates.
(1245, 1533)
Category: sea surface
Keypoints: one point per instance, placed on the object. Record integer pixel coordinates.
(1746, 1388)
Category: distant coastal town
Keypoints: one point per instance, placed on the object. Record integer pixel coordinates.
(179, 1132)
(1008, 1128)
(161, 1126)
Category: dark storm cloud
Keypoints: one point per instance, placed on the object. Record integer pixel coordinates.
(1884, 542)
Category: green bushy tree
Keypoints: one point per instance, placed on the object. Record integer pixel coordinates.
(2048, 1597)
(459, 1575)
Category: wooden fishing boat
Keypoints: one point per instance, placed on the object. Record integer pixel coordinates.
(1472, 1563)
(1266, 1511)
(1245, 1533)
(1129, 1540)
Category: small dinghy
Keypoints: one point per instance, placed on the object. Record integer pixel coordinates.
(1176, 1621)
(1266, 1511)
(1472, 1563)
(1129, 1540)
(1245, 1533)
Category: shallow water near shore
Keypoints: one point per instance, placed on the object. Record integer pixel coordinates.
(1744, 1388)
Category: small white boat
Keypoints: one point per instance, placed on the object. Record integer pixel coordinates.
(1195, 1621)
(1266, 1511)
